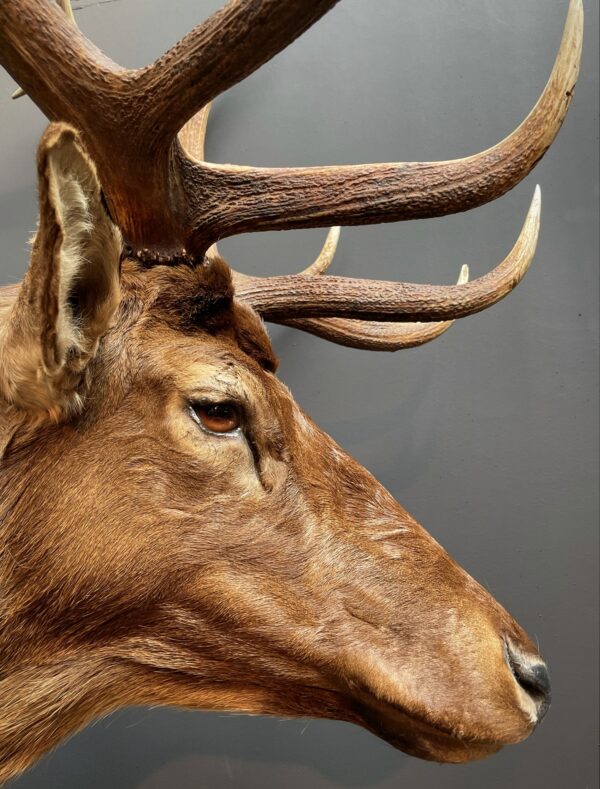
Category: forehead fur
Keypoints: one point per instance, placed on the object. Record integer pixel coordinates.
(196, 299)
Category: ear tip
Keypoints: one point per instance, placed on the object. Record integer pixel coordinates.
(56, 136)
(59, 132)
(62, 153)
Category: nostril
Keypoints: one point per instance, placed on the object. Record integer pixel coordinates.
(533, 679)
(532, 675)
(537, 677)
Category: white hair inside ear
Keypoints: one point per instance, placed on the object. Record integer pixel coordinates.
(71, 292)
(89, 254)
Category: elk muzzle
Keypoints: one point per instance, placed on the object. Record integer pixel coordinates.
(430, 661)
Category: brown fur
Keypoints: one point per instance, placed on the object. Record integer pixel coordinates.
(144, 561)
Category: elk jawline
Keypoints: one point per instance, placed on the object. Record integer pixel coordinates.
(416, 736)
(420, 734)
(410, 732)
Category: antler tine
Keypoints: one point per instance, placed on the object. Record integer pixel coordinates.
(192, 135)
(160, 197)
(53, 61)
(318, 267)
(327, 253)
(301, 296)
(221, 52)
(363, 194)
(192, 139)
(374, 335)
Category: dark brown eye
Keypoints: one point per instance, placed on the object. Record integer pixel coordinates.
(217, 417)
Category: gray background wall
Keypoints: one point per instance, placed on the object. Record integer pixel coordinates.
(489, 435)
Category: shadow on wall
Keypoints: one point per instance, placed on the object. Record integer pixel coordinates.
(134, 749)
(409, 404)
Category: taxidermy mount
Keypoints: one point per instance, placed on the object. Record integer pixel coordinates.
(173, 528)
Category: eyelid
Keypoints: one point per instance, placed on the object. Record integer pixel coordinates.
(221, 391)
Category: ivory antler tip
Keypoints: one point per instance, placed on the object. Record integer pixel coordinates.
(463, 277)
(327, 253)
(576, 7)
(535, 209)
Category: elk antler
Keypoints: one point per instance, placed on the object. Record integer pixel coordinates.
(281, 299)
(247, 199)
(374, 335)
(369, 335)
(130, 118)
(161, 197)
(67, 8)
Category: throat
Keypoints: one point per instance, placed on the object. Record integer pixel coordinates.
(42, 703)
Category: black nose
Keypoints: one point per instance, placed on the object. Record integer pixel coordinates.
(532, 675)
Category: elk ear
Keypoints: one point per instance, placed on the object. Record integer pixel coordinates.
(71, 292)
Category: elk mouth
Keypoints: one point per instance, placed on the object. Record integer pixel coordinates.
(440, 728)
(406, 731)
(417, 737)
(444, 736)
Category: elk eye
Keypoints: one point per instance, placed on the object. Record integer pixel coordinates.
(217, 417)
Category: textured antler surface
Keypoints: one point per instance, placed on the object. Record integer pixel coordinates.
(129, 118)
(249, 199)
(302, 296)
(374, 335)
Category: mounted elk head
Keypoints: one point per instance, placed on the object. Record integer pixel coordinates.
(173, 529)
